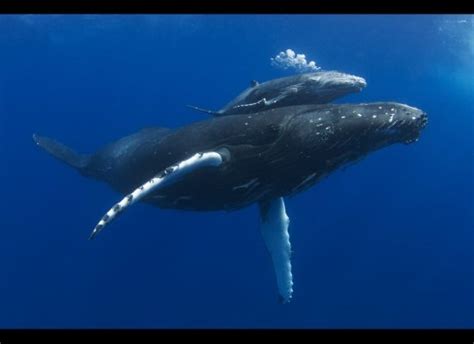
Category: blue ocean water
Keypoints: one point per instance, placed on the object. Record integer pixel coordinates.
(386, 243)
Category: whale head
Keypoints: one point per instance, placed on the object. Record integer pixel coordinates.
(334, 84)
(377, 125)
(326, 137)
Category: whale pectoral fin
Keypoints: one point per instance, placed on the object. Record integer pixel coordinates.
(274, 100)
(256, 105)
(168, 176)
(209, 112)
(288, 92)
(263, 101)
(274, 228)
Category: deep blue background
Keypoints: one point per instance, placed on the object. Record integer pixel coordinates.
(388, 242)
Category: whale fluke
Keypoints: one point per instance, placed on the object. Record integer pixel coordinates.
(169, 175)
(61, 152)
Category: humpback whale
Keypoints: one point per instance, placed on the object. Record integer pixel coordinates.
(230, 162)
(308, 88)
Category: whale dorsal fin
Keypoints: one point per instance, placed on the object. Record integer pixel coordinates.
(169, 175)
(274, 223)
(254, 83)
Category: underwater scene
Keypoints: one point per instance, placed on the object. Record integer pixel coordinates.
(237, 171)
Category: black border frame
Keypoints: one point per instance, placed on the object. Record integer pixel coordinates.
(290, 335)
(237, 7)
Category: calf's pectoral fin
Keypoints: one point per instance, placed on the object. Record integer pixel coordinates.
(168, 176)
(210, 112)
(274, 227)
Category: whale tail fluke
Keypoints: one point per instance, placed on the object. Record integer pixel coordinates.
(61, 152)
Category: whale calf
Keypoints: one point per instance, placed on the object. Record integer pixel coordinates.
(230, 162)
(308, 88)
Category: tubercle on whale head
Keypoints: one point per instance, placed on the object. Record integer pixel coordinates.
(359, 83)
(418, 124)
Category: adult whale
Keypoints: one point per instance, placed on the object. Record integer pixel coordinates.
(308, 88)
(229, 162)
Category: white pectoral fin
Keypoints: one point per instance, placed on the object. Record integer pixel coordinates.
(169, 175)
(274, 228)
